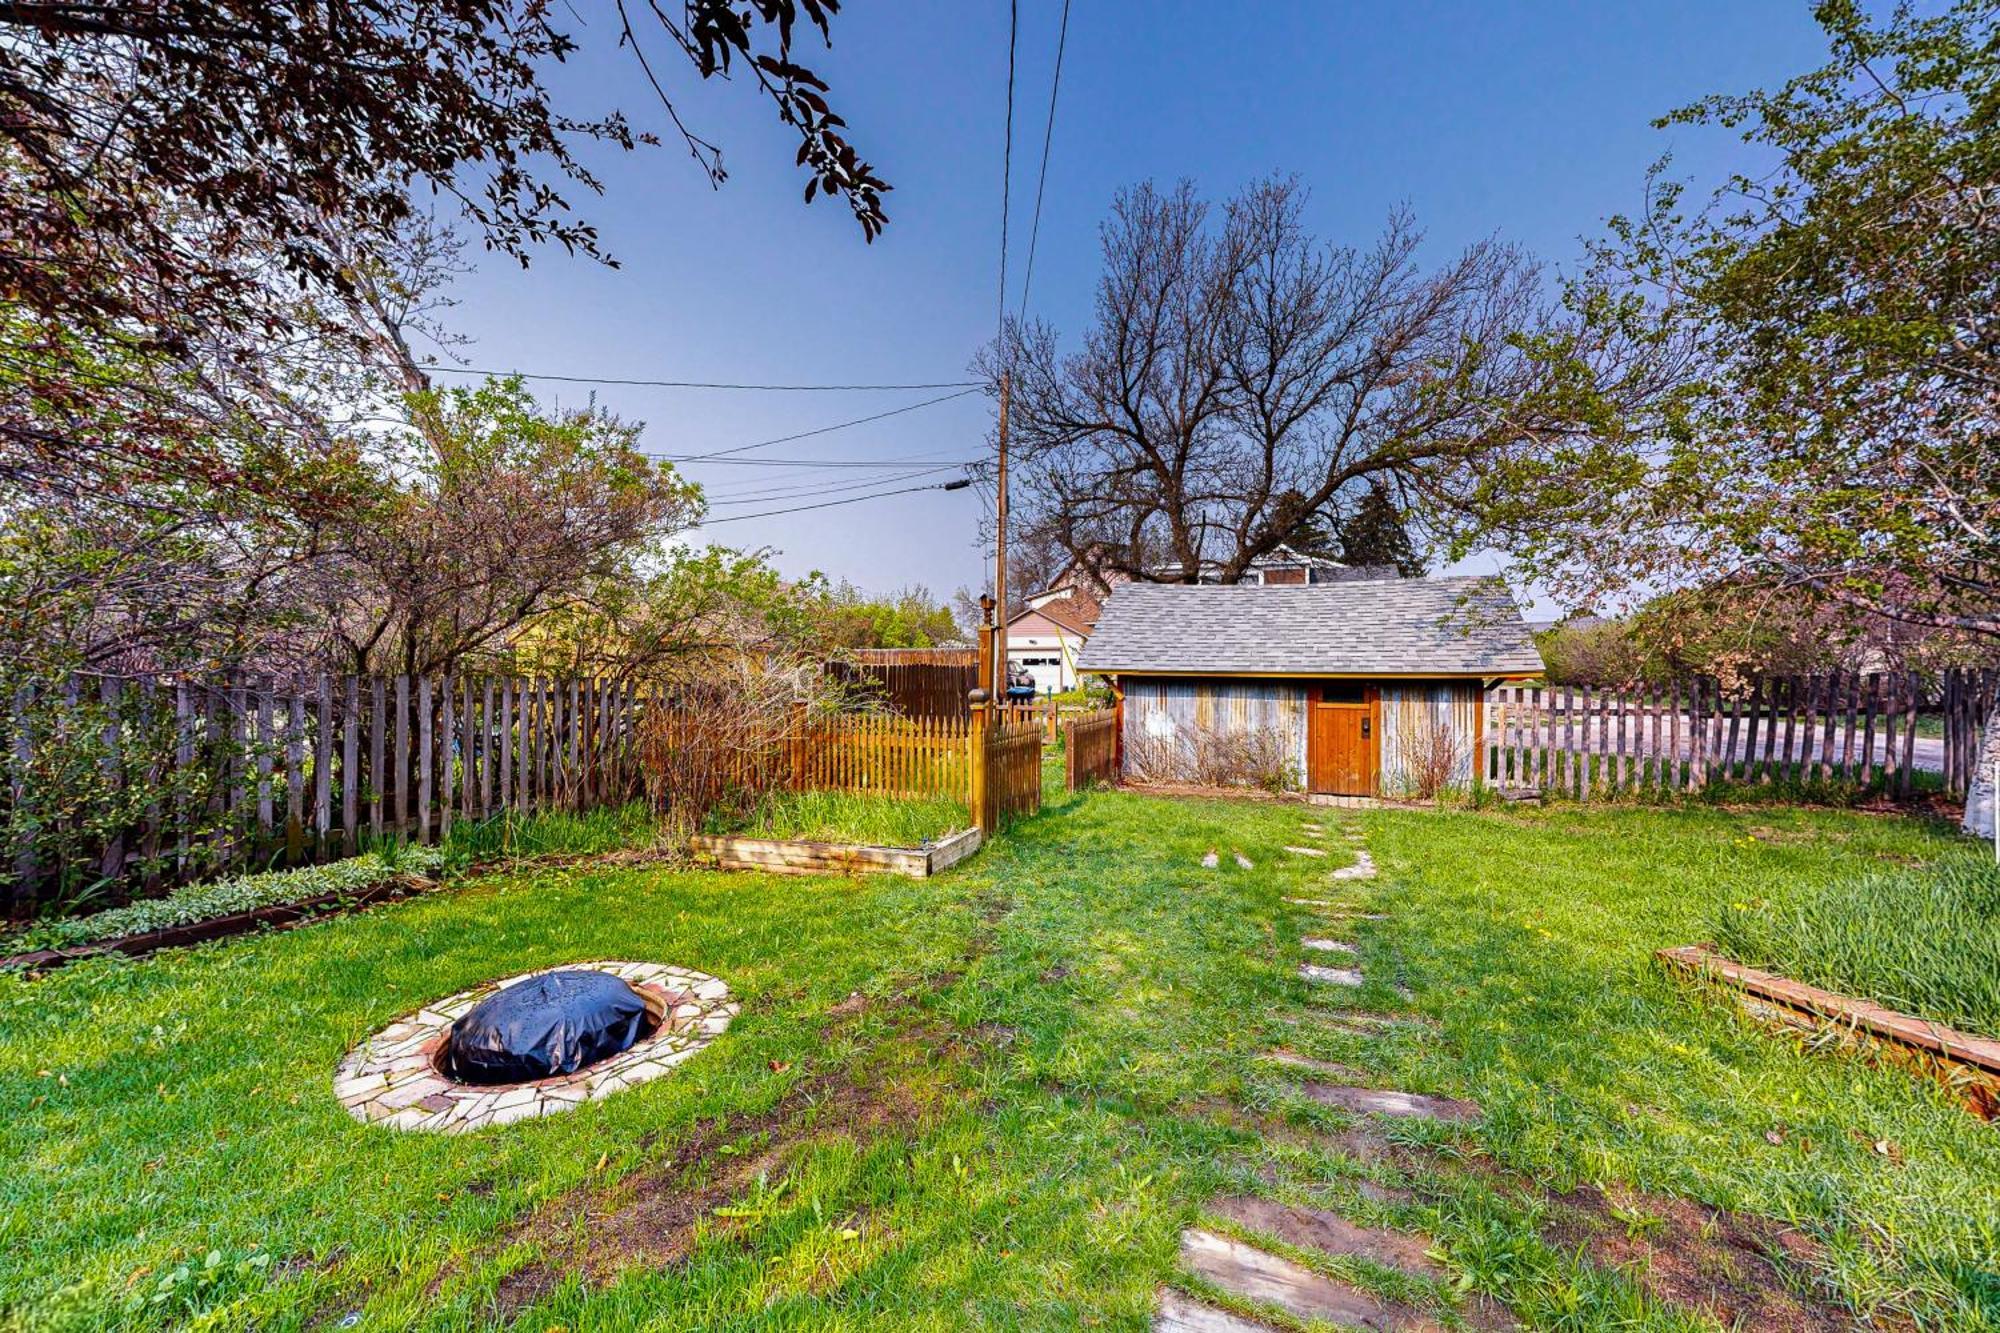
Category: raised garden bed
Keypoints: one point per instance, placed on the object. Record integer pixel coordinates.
(1969, 1065)
(790, 857)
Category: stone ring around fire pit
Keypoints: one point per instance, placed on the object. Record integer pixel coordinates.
(396, 1078)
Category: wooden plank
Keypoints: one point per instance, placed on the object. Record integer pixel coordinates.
(447, 728)
(426, 741)
(266, 745)
(1829, 724)
(1978, 1052)
(295, 780)
(350, 778)
(401, 761)
(1906, 779)
(378, 773)
(487, 741)
(1850, 689)
(323, 746)
(1873, 702)
(504, 757)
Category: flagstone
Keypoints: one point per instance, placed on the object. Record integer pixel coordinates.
(1328, 946)
(1400, 1105)
(1330, 1233)
(1333, 976)
(1255, 1275)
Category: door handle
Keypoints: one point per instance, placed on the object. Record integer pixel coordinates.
(1364, 728)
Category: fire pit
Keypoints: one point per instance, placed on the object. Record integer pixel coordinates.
(532, 1045)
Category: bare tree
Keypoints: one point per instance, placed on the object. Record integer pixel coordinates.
(1240, 372)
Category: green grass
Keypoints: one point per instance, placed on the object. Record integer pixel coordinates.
(1924, 940)
(995, 1097)
(514, 836)
(848, 817)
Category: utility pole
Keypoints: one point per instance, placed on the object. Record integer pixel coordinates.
(999, 684)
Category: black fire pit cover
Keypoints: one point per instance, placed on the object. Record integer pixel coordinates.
(553, 1024)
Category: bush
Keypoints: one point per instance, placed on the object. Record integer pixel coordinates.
(1925, 941)
(1212, 756)
(243, 893)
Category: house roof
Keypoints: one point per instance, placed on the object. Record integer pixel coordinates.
(1447, 626)
(1067, 613)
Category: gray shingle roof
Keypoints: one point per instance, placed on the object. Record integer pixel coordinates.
(1467, 626)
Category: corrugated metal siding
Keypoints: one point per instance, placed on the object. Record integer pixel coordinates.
(1409, 708)
(1159, 707)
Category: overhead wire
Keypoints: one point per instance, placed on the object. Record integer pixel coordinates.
(821, 430)
(1042, 176)
(705, 384)
(824, 504)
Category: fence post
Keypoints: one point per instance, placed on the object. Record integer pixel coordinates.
(976, 739)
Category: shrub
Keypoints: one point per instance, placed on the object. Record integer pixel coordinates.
(242, 893)
(1213, 756)
(1924, 941)
(1433, 756)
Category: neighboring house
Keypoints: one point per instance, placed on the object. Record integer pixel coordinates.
(1046, 637)
(1356, 688)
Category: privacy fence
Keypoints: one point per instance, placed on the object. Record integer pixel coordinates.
(1875, 729)
(925, 683)
(1090, 749)
(139, 782)
(117, 786)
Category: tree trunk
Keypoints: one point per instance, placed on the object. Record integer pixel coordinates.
(1979, 796)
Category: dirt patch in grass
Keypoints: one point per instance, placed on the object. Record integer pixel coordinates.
(655, 1216)
(1742, 1270)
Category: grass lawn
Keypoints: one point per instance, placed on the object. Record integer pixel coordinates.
(994, 1098)
(848, 817)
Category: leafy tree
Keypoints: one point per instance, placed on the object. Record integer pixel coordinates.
(174, 175)
(1236, 360)
(1374, 535)
(907, 618)
(1833, 324)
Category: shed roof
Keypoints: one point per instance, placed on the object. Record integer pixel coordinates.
(1446, 626)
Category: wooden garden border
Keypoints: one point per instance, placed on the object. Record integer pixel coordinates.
(1969, 1065)
(813, 858)
(220, 927)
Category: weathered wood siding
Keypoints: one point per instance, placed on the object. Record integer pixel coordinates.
(1411, 710)
(1161, 708)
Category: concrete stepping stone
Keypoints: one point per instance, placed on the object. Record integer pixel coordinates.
(1363, 1021)
(1293, 1060)
(1210, 861)
(1306, 851)
(1316, 902)
(1363, 868)
(1330, 1234)
(1180, 1313)
(1400, 1105)
(1331, 976)
(1254, 1275)
(1328, 946)
(1243, 862)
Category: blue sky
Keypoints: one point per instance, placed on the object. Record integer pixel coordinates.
(1526, 121)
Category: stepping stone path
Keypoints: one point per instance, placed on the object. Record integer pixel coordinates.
(1363, 868)
(1306, 851)
(1331, 1234)
(1184, 1314)
(1255, 1275)
(1328, 946)
(1331, 976)
(1211, 861)
(1243, 862)
(1397, 1105)
(1293, 1060)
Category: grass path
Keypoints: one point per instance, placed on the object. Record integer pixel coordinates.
(994, 1099)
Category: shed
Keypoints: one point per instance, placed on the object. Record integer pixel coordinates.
(1365, 688)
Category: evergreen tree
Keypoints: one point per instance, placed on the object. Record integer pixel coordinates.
(1374, 535)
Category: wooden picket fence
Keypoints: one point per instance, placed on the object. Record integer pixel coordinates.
(194, 777)
(1845, 727)
(1090, 749)
(884, 754)
(1013, 785)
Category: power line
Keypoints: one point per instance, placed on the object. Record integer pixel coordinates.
(788, 492)
(822, 430)
(1042, 177)
(703, 384)
(829, 504)
(1007, 156)
(832, 462)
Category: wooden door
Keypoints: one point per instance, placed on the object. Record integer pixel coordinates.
(1343, 739)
